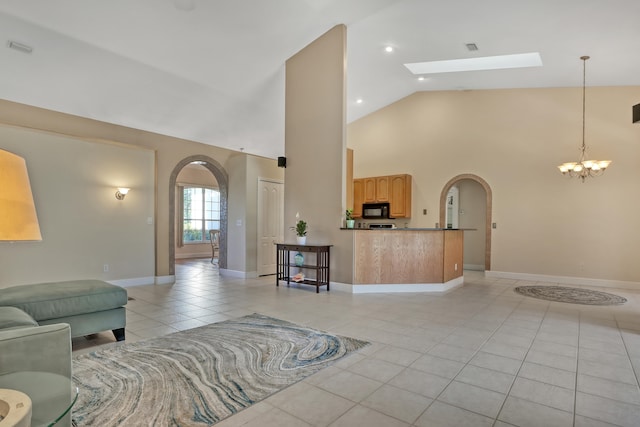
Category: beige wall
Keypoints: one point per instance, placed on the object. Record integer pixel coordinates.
(83, 226)
(315, 147)
(168, 151)
(547, 224)
(244, 172)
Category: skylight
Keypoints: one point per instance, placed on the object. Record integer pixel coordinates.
(499, 62)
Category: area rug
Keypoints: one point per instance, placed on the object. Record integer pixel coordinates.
(570, 295)
(199, 376)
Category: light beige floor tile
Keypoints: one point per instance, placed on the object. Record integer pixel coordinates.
(437, 365)
(398, 356)
(549, 375)
(361, 416)
(420, 382)
(601, 370)
(523, 413)
(350, 386)
(375, 369)
(590, 422)
(505, 350)
(275, 417)
(610, 411)
(397, 403)
(613, 390)
(472, 398)
(486, 378)
(451, 352)
(442, 415)
(311, 404)
(553, 360)
(246, 415)
(544, 394)
(419, 343)
(496, 363)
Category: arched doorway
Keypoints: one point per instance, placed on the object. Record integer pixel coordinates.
(223, 182)
(487, 228)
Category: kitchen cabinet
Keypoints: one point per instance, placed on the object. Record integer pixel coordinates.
(394, 189)
(400, 196)
(358, 197)
(369, 190)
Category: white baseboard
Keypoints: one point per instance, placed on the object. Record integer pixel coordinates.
(565, 280)
(239, 274)
(165, 280)
(473, 267)
(138, 281)
(194, 255)
(399, 288)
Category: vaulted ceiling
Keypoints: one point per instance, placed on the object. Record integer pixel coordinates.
(212, 71)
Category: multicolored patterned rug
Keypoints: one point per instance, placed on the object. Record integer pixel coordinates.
(570, 295)
(200, 376)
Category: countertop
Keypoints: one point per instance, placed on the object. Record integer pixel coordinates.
(408, 229)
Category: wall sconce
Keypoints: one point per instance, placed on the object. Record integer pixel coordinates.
(122, 191)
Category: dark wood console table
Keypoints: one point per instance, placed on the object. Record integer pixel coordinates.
(321, 266)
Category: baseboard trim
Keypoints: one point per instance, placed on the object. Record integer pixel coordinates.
(165, 280)
(565, 280)
(399, 288)
(239, 274)
(138, 281)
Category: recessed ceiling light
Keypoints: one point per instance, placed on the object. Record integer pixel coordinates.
(359, 101)
(388, 49)
(520, 60)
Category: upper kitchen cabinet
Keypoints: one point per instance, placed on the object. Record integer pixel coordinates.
(394, 189)
(358, 197)
(400, 196)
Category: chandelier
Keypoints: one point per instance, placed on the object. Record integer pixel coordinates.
(584, 168)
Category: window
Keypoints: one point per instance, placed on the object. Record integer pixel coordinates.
(201, 213)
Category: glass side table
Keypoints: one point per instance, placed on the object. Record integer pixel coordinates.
(52, 395)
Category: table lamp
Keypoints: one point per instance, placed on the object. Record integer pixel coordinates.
(18, 218)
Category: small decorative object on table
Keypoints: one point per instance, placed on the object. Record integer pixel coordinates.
(298, 259)
(301, 230)
(349, 218)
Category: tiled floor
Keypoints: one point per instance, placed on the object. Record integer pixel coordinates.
(480, 355)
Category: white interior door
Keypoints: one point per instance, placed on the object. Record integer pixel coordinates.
(270, 223)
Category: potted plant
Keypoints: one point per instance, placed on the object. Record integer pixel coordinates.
(301, 230)
(349, 217)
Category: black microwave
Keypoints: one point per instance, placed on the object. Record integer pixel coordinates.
(375, 210)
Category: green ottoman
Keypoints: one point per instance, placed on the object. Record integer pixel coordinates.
(88, 306)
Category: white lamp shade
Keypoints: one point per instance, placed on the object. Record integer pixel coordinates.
(18, 218)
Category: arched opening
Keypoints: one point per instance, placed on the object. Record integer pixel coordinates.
(223, 183)
(487, 226)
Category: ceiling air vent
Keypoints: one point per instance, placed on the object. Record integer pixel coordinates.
(20, 47)
(471, 47)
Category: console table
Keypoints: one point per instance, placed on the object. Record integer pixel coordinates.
(321, 265)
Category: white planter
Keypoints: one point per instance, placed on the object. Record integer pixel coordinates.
(302, 240)
(350, 223)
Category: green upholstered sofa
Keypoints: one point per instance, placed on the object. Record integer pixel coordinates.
(26, 346)
(88, 306)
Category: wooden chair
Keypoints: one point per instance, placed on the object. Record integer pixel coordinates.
(214, 238)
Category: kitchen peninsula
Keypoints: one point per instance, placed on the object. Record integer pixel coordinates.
(407, 259)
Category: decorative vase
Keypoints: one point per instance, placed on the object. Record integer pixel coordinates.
(301, 240)
(350, 223)
(298, 259)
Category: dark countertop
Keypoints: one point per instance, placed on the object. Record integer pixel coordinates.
(408, 229)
